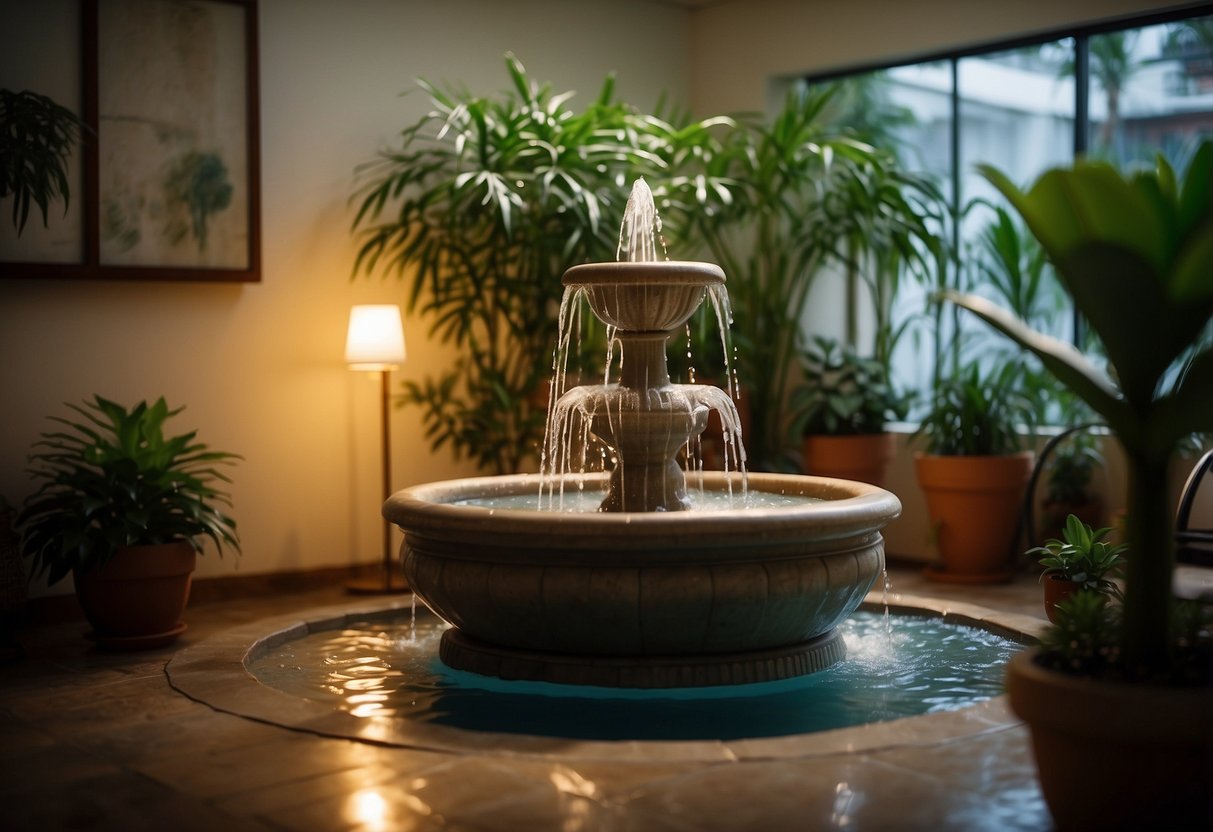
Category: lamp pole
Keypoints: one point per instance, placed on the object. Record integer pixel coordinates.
(375, 341)
(386, 442)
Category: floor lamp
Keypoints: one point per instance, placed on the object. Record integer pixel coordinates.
(375, 342)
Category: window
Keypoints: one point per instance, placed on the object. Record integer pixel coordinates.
(1151, 91)
(1122, 94)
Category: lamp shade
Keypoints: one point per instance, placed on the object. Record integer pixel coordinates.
(375, 340)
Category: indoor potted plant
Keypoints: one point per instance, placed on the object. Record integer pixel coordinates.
(1136, 256)
(125, 509)
(844, 403)
(974, 471)
(1081, 560)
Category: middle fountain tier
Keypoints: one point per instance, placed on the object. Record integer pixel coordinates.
(644, 419)
(631, 578)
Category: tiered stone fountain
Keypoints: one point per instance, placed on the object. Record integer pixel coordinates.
(740, 578)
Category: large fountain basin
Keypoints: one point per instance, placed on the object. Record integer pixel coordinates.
(644, 584)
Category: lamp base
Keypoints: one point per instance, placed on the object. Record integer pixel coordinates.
(380, 584)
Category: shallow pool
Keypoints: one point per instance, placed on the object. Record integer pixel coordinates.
(897, 665)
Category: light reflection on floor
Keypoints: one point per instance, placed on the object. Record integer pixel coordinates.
(105, 741)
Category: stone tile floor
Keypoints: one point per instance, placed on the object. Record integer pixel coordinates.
(92, 740)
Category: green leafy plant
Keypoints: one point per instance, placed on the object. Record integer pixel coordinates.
(111, 478)
(1083, 640)
(977, 413)
(487, 201)
(844, 393)
(1135, 254)
(1069, 471)
(1013, 265)
(1087, 640)
(1083, 557)
(774, 203)
(481, 208)
(36, 139)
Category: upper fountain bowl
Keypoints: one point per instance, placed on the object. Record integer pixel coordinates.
(656, 296)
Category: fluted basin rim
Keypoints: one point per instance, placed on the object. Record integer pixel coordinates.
(628, 273)
(848, 508)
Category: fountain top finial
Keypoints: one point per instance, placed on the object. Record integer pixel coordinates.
(640, 227)
(643, 293)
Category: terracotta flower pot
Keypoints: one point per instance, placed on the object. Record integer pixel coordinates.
(137, 598)
(862, 458)
(1057, 589)
(1114, 755)
(974, 504)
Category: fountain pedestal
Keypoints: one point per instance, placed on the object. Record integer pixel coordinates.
(646, 672)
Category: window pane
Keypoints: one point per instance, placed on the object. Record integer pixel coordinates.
(1016, 114)
(1152, 91)
(925, 91)
(908, 111)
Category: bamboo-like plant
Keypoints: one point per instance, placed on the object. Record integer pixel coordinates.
(481, 208)
(1135, 254)
(487, 201)
(112, 478)
(890, 220)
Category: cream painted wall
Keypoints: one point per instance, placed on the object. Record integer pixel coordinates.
(260, 366)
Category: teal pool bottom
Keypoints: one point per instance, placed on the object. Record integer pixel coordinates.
(897, 665)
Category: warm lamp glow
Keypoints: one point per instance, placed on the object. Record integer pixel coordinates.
(375, 340)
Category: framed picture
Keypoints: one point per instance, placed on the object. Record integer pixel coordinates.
(169, 153)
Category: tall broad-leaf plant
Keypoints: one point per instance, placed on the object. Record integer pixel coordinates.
(1135, 254)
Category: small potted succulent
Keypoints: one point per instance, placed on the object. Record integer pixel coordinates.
(125, 510)
(843, 406)
(1080, 561)
(974, 472)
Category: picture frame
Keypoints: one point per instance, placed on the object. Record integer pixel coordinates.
(167, 166)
